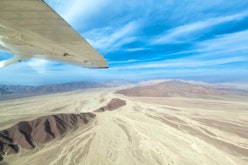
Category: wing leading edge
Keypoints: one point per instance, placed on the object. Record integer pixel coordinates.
(30, 28)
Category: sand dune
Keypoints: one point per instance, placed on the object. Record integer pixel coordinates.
(146, 130)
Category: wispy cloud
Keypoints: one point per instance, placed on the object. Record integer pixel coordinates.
(190, 63)
(41, 66)
(185, 32)
(227, 43)
(108, 39)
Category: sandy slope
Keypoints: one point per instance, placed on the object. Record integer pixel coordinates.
(145, 131)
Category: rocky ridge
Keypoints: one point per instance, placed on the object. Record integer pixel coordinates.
(26, 134)
(114, 104)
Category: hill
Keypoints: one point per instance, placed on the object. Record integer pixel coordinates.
(178, 88)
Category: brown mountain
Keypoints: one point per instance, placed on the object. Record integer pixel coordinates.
(27, 134)
(177, 88)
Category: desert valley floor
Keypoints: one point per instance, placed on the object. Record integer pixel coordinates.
(147, 130)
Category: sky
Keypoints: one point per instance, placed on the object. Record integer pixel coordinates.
(149, 39)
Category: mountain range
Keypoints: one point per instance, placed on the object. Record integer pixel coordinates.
(17, 91)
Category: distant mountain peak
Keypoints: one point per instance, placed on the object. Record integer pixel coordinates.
(177, 88)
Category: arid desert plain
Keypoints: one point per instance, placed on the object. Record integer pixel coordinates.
(197, 126)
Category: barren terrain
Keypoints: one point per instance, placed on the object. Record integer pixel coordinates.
(202, 129)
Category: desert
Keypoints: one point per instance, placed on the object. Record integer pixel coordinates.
(164, 123)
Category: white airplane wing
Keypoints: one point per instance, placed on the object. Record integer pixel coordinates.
(30, 28)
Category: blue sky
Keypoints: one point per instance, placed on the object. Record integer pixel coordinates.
(143, 40)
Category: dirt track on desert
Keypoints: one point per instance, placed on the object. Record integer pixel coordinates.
(147, 130)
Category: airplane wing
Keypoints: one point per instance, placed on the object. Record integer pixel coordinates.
(30, 28)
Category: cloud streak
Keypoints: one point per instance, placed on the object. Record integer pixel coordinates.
(182, 33)
(110, 39)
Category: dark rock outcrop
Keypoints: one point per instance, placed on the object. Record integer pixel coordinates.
(112, 105)
(26, 134)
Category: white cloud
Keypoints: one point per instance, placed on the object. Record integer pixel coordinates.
(82, 9)
(107, 39)
(41, 66)
(233, 42)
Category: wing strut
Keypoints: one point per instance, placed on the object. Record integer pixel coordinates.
(12, 60)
